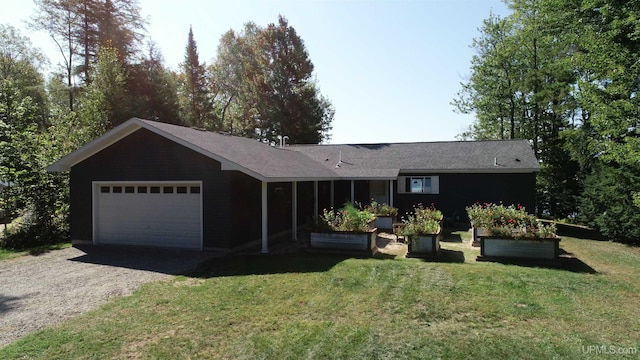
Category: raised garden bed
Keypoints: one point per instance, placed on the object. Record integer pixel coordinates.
(384, 222)
(511, 248)
(344, 240)
(424, 245)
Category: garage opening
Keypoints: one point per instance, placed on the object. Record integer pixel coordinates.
(163, 214)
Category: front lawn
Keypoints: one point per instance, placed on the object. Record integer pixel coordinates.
(323, 306)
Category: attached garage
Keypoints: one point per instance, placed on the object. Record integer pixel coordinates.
(164, 214)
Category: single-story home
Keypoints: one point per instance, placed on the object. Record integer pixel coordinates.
(155, 184)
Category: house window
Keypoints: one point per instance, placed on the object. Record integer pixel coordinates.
(154, 189)
(142, 189)
(117, 189)
(167, 190)
(195, 189)
(129, 189)
(105, 189)
(420, 184)
(181, 189)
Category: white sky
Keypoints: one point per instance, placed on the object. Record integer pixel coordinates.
(390, 68)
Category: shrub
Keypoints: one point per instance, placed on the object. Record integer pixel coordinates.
(607, 203)
(379, 209)
(423, 221)
(509, 221)
(349, 218)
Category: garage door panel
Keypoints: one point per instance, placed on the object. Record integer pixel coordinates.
(149, 219)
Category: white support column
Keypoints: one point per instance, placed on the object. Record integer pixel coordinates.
(391, 193)
(353, 193)
(294, 211)
(332, 193)
(315, 199)
(265, 217)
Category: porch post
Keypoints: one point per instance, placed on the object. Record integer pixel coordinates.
(332, 192)
(315, 198)
(265, 243)
(353, 192)
(294, 211)
(391, 193)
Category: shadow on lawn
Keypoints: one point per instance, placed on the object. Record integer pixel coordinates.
(160, 260)
(566, 261)
(446, 256)
(250, 264)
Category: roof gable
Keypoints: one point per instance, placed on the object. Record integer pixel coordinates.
(251, 157)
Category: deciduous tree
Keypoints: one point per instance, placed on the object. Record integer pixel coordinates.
(265, 86)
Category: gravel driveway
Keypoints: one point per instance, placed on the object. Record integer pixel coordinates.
(44, 290)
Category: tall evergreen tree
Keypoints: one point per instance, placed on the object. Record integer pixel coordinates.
(194, 103)
(152, 89)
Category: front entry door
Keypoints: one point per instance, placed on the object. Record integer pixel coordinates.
(379, 191)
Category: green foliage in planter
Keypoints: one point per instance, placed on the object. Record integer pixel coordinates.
(509, 221)
(379, 209)
(349, 218)
(423, 221)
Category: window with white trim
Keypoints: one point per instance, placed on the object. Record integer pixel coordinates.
(418, 184)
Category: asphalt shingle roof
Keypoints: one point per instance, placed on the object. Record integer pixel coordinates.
(453, 156)
(328, 162)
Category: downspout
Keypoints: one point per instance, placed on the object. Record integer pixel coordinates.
(294, 211)
(265, 217)
(353, 192)
(315, 199)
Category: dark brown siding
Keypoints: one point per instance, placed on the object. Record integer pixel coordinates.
(342, 193)
(246, 208)
(305, 202)
(145, 156)
(361, 192)
(458, 191)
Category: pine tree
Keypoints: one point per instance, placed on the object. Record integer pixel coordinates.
(194, 104)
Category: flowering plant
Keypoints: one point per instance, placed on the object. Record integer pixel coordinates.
(508, 221)
(349, 218)
(423, 221)
(379, 209)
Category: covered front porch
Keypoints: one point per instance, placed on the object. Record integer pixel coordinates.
(288, 206)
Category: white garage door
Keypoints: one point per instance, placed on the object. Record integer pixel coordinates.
(148, 214)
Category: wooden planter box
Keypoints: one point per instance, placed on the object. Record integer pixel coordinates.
(529, 249)
(476, 234)
(344, 240)
(385, 222)
(424, 245)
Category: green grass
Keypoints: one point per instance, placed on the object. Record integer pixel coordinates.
(323, 306)
(6, 254)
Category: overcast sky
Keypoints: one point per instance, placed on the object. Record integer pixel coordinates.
(390, 68)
